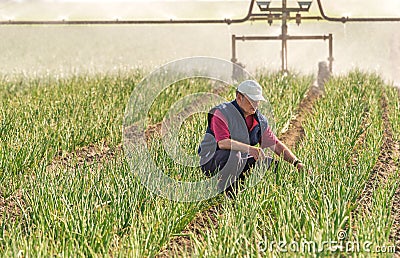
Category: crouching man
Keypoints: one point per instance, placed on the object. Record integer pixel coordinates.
(234, 129)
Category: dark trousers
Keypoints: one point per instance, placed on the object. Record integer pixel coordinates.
(231, 175)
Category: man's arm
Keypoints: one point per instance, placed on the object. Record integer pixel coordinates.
(282, 150)
(269, 140)
(221, 133)
(229, 144)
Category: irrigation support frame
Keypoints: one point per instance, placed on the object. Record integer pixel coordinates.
(283, 15)
(287, 37)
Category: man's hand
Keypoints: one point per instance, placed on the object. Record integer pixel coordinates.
(301, 167)
(257, 153)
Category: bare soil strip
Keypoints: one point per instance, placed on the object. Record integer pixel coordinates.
(360, 140)
(395, 231)
(183, 243)
(385, 165)
(94, 153)
(395, 213)
(99, 152)
(295, 132)
(10, 207)
(88, 155)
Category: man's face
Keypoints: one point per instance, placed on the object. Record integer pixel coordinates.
(247, 105)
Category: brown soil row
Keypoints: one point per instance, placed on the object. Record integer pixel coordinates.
(359, 142)
(385, 166)
(353, 160)
(295, 132)
(10, 207)
(131, 133)
(87, 155)
(100, 152)
(395, 213)
(202, 223)
(97, 153)
(184, 242)
(395, 231)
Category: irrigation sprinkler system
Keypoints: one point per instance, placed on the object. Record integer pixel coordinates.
(267, 13)
(283, 13)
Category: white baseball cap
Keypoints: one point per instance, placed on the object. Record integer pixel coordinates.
(251, 89)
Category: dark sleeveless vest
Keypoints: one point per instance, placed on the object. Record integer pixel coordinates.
(237, 129)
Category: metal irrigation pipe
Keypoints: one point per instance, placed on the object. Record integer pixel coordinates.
(263, 18)
(347, 19)
(104, 22)
(249, 16)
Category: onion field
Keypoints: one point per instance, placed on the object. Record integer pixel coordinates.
(66, 188)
